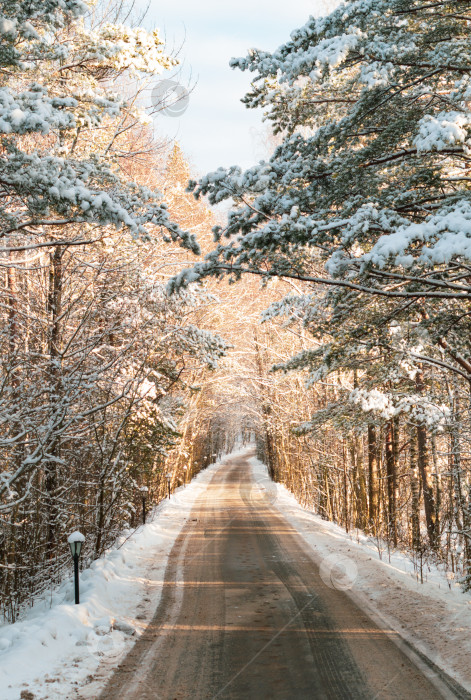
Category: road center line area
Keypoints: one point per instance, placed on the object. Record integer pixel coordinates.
(244, 613)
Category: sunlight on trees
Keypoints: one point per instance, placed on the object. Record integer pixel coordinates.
(328, 321)
(364, 205)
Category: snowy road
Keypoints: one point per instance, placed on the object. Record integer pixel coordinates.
(245, 614)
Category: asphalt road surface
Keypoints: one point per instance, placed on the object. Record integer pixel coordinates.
(245, 615)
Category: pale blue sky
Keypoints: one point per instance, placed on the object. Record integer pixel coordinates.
(217, 129)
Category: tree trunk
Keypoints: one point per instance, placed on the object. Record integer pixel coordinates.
(12, 314)
(437, 483)
(345, 490)
(424, 471)
(359, 485)
(391, 479)
(467, 531)
(415, 490)
(54, 307)
(373, 480)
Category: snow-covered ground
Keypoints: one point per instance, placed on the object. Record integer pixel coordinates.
(59, 645)
(435, 617)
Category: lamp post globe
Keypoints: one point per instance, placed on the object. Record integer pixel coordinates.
(75, 547)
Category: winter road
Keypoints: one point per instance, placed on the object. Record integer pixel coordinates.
(245, 615)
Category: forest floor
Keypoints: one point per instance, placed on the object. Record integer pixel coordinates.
(220, 597)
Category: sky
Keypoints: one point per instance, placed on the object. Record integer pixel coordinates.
(216, 129)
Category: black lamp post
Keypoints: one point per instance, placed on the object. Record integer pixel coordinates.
(144, 491)
(76, 540)
(168, 477)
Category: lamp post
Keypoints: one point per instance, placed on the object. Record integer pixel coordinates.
(144, 490)
(168, 477)
(76, 540)
(184, 475)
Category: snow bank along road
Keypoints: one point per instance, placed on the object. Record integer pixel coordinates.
(244, 613)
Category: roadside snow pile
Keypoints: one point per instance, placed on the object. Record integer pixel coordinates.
(59, 645)
(435, 617)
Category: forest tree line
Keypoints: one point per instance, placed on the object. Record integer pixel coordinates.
(99, 365)
(362, 212)
(352, 244)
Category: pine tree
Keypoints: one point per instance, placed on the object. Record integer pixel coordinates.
(366, 198)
